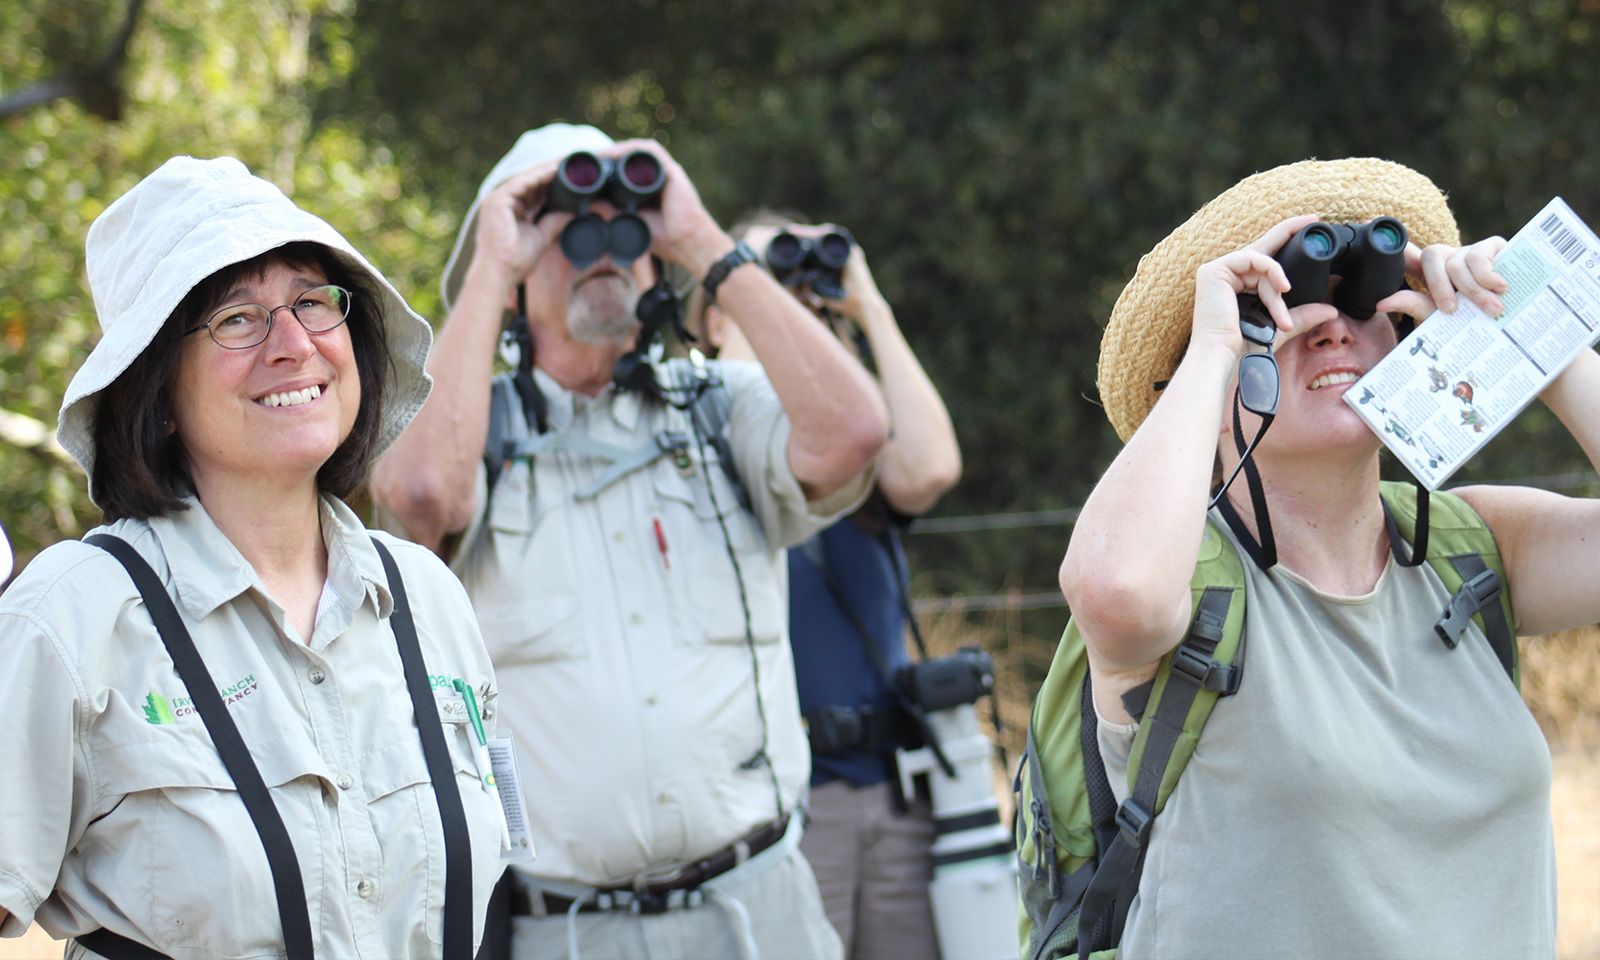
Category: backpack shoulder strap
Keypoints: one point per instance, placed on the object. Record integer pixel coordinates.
(1463, 552)
(1080, 853)
(1207, 664)
(709, 413)
(506, 416)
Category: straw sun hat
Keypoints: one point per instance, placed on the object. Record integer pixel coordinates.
(1149, 326)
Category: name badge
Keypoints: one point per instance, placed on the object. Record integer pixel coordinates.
(503, 761)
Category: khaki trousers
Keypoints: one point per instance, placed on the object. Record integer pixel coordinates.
(785, 917)
(873, 869)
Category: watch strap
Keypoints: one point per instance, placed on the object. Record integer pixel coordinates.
(740, 254)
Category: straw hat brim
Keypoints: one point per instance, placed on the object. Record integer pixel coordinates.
(1149, 326)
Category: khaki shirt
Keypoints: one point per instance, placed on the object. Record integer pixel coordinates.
(115, 808)
(625, 672)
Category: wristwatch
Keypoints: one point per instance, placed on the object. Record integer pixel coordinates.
(741, 254)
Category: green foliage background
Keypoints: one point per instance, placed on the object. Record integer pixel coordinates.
(1004, 164)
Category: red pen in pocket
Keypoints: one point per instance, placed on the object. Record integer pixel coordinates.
(661, 542)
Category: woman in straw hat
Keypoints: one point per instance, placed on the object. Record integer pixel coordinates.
(1367, 791)
(238, 725)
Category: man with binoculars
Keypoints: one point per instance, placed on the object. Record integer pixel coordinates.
(870, 847)
(623, 549)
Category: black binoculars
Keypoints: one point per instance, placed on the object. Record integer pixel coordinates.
(817, 263)
(1370, 257)
(632, 182)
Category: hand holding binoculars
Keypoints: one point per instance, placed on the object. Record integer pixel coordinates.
(814, 262)
(1369, 257)
(628, 183)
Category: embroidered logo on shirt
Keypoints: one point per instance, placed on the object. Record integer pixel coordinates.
(160, 710)
(157, 710)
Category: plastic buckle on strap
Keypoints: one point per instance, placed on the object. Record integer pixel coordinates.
(1134, 821)
(1474, 595)
(1044, 845)
(670, 440)
(1204, 672)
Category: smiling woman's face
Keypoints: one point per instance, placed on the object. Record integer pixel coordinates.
(274, 412)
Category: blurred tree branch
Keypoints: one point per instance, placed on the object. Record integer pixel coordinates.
(97, 86)
(26, 433)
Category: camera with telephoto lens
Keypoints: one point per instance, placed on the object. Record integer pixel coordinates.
(632, 182)
(816, 262)
(1370, 257)
(974, 886)
(945, 682)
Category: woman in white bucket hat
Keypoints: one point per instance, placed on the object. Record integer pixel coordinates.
(239, 724)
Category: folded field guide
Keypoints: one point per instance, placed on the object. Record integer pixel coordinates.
(1450, 386)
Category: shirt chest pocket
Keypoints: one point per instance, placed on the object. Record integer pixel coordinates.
(707, 531)
(404, 811)
(178, 840)
(523, 586)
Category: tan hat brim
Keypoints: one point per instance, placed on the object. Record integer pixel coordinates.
(1149, 326)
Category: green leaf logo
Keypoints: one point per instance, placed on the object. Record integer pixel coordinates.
(156, 709)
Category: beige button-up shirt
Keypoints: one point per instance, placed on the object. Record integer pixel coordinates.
(626, 676)
(115, 808)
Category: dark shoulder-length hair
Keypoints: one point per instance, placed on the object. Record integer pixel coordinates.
(140, 467)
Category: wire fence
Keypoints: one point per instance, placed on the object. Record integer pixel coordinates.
(1066, 516)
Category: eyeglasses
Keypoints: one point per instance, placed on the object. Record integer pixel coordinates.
(1258, 383)
(241, 326)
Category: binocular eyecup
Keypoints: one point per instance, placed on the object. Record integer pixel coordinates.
(1370, 259)
(628, 183)
(814, 262)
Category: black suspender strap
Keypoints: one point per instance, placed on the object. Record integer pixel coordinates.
(457, 841)
(286, 879)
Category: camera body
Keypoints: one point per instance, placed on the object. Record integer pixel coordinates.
(947, 682)
(815, 262)
(629, 183)
(1369, 257)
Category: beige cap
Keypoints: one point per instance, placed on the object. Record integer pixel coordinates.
(549, 142)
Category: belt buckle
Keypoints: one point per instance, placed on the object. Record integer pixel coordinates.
(648, 903)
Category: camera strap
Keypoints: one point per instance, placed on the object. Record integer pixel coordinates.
(815, 552)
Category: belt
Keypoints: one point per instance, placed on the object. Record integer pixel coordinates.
(678, 891)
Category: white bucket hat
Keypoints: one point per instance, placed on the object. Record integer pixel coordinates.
(549, 142)
(178, 226)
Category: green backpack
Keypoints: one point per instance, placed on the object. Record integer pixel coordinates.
(1080, 854)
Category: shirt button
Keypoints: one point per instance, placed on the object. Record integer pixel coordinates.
(619, 536)
(650, 700)
(663, 797)
(364, 888)
(635, 619)
(317, 676)
(345, 783)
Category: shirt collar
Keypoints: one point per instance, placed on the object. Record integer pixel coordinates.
(208, 570)
(623, 407)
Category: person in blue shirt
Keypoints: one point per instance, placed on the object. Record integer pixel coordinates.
(868, 844)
